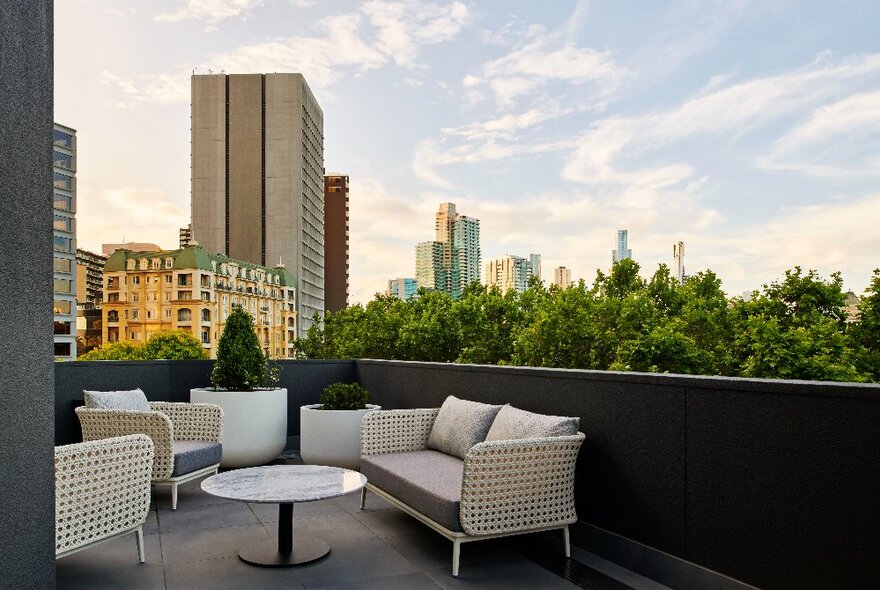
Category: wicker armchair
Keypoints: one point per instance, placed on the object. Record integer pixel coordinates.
(102, 491)
(182, 434)
(508, 487)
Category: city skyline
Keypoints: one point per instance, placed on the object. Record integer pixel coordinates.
(743, 130)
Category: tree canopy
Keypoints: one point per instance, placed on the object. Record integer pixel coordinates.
(794, 328)
(167, 344)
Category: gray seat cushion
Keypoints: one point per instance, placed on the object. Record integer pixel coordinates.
(191, 455)
(460, 424)
(428, 481)
(133, 399)
(512, 423)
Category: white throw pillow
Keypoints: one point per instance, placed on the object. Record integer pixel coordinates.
(459, 425)
(512, 424)
(133, 399)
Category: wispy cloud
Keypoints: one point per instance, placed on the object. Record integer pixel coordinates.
(210, 12)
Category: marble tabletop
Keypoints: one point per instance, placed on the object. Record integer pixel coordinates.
(275, 484)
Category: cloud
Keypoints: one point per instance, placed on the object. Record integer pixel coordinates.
(837, 139)
(401, 28)
(610, 146)
(210, 12)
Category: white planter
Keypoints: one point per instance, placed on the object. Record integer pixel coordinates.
(331, 437)
(254, 424)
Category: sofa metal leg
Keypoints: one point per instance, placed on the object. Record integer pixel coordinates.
(567, 541)
(456, 552)
(363, 497)
(174, 495)
(139, 535)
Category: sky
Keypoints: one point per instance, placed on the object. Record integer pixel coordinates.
(748, 130)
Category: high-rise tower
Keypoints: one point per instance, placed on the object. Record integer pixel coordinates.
(451, 262)
(622, 252)
(678, 257)
(258, 176)
(335, 242)
(562, 277)
(64, 307)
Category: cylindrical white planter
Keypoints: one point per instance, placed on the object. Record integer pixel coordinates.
(254, 424)
(331, 437)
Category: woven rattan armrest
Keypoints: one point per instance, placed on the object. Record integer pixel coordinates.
(396, 431)
(99, 423)
(193, 421)
(518, 485)
(102, 489)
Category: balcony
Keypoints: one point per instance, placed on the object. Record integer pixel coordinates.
(686, 479)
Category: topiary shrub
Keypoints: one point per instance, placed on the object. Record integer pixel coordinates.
(241, 364)
(344, 396)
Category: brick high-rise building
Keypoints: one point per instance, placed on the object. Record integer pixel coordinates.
(258, 176)
(335, 242)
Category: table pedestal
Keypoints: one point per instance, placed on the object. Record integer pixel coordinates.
(286, 551)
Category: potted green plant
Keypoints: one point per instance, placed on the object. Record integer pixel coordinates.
(330, 432)
(254, 410)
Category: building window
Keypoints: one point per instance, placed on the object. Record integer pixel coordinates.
(169, 263)
(63, 202)
(135, 297)
(168, 314)
(63, 160)
(113, 316)
(167, 296)
(206, 315)
(206, 296)
(169, 279)
(184, 315)
(63, 286)
(63, 223)
(62, 349)
(144, 264)
(135, 280)
(135, 314)
(63, 181)
(155, 263)
(62, 244)
(149, 314)
(184, 280)
(62, 328)
(206, 336)
(186, 295)
(130, 265)
(113, 298)
(63, 139)
(62, 265)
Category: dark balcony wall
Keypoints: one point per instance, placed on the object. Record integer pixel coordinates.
(172, 380)
(27, 517)
(773, 483)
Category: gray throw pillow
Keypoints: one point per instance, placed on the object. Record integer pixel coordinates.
(459, 425)
(117, 400)
(512, 424)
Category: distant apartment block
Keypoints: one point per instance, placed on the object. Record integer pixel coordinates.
(622, 252)
(512, 272)
(258, 176)
(452, 261)
(678, 261)
(562, 277)
(108, 249)
(195, 290)
(402, 288)
(335, 242)
(852, 307)
(64, 209)
(89, 278)
(186, 236)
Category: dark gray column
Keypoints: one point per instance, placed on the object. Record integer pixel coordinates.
(27, 517)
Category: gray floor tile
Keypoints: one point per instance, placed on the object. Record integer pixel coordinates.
(189, 518)
(354, 562)
(229, 573)
(112, 555)
(417, 581)
(151, 526)
(269, 512)
(502, 574)
(193, 545)
(188, 495)
(429, 550)
(139, 577)
(388, 523)
(333, 528)
(352, 502)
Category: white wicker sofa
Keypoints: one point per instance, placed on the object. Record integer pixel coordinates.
(500, 488)
(102, 491)
(187, 437)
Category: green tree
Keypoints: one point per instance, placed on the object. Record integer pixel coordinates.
(125, 350)
(488, 322)
(175, 345)
(865, 333)
(241, 364)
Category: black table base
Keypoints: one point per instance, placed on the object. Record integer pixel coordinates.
(284, 552)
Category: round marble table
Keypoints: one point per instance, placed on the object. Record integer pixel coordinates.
(284, 485)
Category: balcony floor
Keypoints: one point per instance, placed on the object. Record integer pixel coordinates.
(197, 546)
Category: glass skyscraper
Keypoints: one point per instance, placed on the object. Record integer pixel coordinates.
(622, 252)
(64, 210)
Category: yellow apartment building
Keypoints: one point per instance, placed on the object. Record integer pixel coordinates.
(192, 289)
